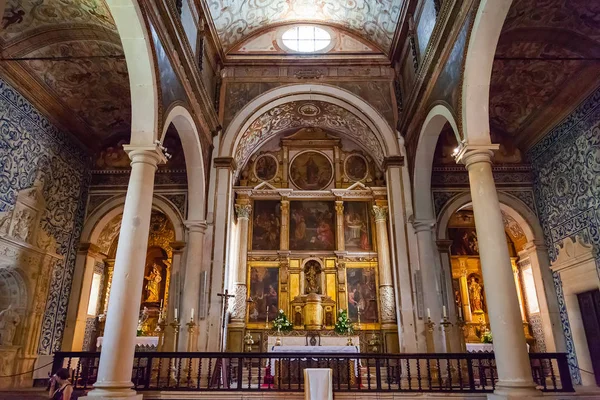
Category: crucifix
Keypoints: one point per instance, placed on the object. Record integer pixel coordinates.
(224, 303)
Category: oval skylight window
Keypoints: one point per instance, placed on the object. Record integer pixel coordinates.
(306, 39)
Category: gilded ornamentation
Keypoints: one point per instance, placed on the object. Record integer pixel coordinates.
(243, 210)
(380, 213)
(153, 285)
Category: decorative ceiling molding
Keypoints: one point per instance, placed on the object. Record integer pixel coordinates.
(375, 20)
(300, 114)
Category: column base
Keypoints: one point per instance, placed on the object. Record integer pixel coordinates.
(113, 394)
(514, 391)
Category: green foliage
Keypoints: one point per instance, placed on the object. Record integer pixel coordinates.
(281, 322)
(487, 337)
(343, 325)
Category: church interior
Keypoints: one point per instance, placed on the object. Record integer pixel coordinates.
(226, 198)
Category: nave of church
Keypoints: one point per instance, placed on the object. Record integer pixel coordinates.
(232, 199)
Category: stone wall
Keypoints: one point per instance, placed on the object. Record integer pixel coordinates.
(31, 147)
(566, 182)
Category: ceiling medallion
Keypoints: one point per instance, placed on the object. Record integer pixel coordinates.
(309, 110)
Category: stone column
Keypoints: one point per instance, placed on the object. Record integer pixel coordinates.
(191, 284)
(537, 254)
(116, 359)
(386, 285)
(512, 359)
(238, 315)
(430, 275)
(339, 218)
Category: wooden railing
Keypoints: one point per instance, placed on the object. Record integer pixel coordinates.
(457, 372)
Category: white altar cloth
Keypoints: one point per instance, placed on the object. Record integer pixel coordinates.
(146, 342)
(302, 350)
(482, 347)
(325, 341)
(318, 384)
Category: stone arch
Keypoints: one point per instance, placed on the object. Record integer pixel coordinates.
(13, 290)
(96, 222)
(181, 118)
(318, 92)
(438, 116)
(478, 70)
(139, 57)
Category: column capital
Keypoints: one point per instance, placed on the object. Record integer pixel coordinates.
(150, 154)
(224, 162)
(177, 246)
(380, 213)
(393, 161)
(91, 250)
(243, 211)
(422, 225)
(339, 206)
(195, 225)
(443, 245)
(474, 153)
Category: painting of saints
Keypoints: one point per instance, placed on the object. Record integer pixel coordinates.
(357, 226)
(266, 225)
(264, 290)
(362, 294)
(464, 241)
(311, 170)
(312, 225)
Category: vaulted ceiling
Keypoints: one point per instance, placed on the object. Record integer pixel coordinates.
(546, 63)
(374, 20)
(66, 57)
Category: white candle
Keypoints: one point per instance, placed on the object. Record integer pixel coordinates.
(175, 313)
(444, 311)
(428, 313)
(192, 315)
(460, 312)
(161, 303)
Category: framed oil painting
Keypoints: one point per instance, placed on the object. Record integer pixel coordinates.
(362, 294)
(311, 170)
(266, 225)
(464, 242)
(357, 226)
(356, 167)
(265, 167)
(264, 290)
(312, 225)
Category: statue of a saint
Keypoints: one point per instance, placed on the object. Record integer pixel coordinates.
(153, 285)
(142, 320)
(311, 277)
(475, 295)
(9, 320)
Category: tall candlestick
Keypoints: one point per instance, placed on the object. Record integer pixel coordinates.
(428, 313)
(175, 313)
(444, 311)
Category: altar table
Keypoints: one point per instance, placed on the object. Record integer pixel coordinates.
(290, 369)
(141, 343)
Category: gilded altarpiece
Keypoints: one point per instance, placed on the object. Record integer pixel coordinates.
(311, 239)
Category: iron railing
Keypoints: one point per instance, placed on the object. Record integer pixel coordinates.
(444, 372)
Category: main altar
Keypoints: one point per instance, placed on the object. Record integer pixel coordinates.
(312, 240)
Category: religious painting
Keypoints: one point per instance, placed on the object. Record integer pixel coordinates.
(312, 225)
(357, 226)
(311, 170)
(266, 225)
(264, 291)
(265, 167)
(464, 242)
(356, 167)
(362, 294)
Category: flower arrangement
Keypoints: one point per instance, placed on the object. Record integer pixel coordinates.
(281, 322)
(486, 337)
(343, 325)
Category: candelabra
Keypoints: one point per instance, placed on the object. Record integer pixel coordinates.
(446, 326)
(462, 326)
(249, 341)
(374, 342)
(430, 326)
(191, 337)
(175, 325)
(160, 332)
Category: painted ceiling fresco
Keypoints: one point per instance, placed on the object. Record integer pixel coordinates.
(374, 20)
(546, 63)
(70, 51)
(300, 114)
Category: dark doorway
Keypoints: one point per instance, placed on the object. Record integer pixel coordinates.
(589, 304)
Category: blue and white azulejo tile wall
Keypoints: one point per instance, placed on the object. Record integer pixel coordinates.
(30, 147)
